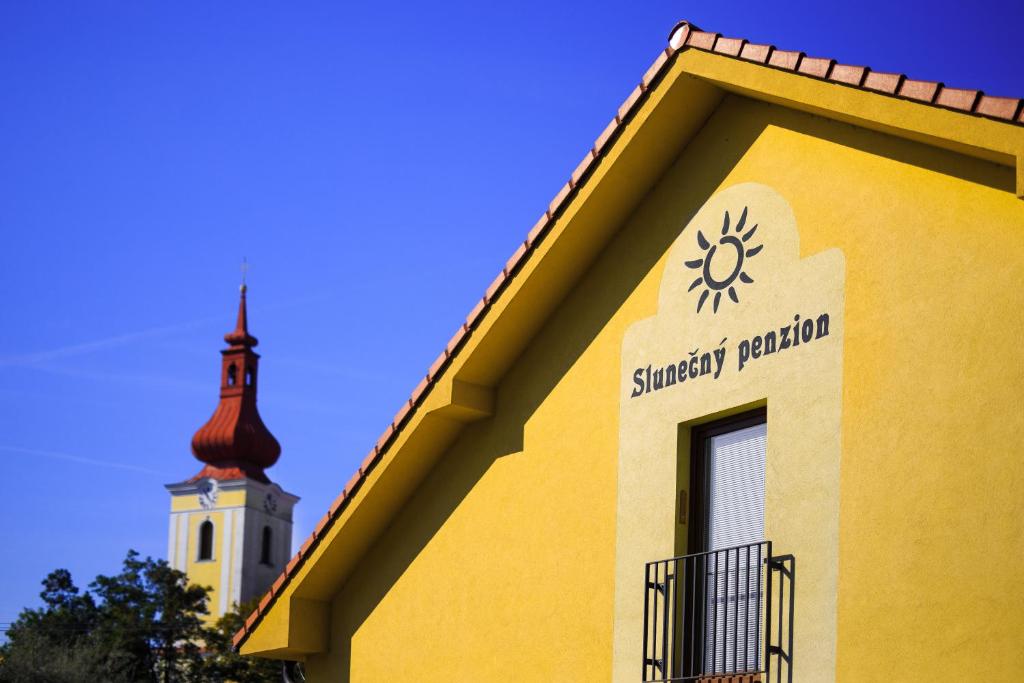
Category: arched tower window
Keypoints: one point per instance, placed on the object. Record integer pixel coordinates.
(268, 536)
(206, 540)
(232, 375)
(249, 376)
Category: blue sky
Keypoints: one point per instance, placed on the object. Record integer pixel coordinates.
(376, 163)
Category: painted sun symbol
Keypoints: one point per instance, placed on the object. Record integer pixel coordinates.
(732, 246)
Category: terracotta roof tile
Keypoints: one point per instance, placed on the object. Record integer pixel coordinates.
(322, 525)
(883, 82)
(538, 228)
(582, 168)
(816, 66)
(680, 34)
(955, 98)
(403, 413)
(492, 289)
(756, 53)
(998, 107)
(456, 339)
(627, 106)
(729, 46)
(654, 70)
(339, 500)
(368, 461)
(237, 640)
(785, 59)
(517, 257)
(420, 389)
(919, 90)
(353, 483)
(562, 195)
(702, 40)
(435, 367)
(382, 440)
(265, 602)
(683, 36)
(475, 313)
(850, 75)
(605, 136)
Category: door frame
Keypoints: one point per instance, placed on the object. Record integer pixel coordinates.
(697, 542)
(700, 478)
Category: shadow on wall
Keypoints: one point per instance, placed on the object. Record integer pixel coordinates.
(629, 258)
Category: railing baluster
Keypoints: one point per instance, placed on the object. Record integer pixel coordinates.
(781, 595)
(746, 605)
(674, 589)
(703, 614)
(647, 603)
(657, 602)
(736, 611)
(757, 616)
(768, 598)
(792, 605)
(666, 605)
(699, 646)
(691, 651)
(714, 620)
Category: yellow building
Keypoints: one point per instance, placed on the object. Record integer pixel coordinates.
(763, 345)
(230, 526)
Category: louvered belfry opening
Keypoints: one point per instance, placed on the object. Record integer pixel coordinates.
(724, 612)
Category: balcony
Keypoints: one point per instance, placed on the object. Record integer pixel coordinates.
(723, 616)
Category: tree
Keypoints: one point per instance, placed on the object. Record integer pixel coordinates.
(53, 644)
(150, 622)
(143, 626)
(222, 663)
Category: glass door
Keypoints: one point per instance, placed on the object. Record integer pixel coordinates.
(728, 529)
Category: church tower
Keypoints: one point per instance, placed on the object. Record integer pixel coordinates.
(230, 526)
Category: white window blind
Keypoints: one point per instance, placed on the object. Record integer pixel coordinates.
(736, 463)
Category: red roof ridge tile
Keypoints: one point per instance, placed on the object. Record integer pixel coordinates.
(1007, 109)
(683, 35)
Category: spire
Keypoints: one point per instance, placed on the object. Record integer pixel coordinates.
(240, 335)
(235, 443)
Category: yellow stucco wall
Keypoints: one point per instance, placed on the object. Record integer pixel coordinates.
(800, 384)
(502, 567)
(208, 573)
(187, 502)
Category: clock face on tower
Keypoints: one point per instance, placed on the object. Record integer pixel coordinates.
(270, 503)
(208, 493)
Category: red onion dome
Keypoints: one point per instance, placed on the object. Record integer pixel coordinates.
(235, 438)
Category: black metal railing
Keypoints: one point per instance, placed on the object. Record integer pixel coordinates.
(725, 612)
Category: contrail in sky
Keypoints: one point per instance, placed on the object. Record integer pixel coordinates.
(99, 344)
(82, 460)
(31, 359)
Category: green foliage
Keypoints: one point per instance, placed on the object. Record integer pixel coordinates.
(224, 664)
(53, 643)
(142, 625)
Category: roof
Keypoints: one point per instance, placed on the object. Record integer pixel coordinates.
(234, 442)
(1009, 109)
(684, 37)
